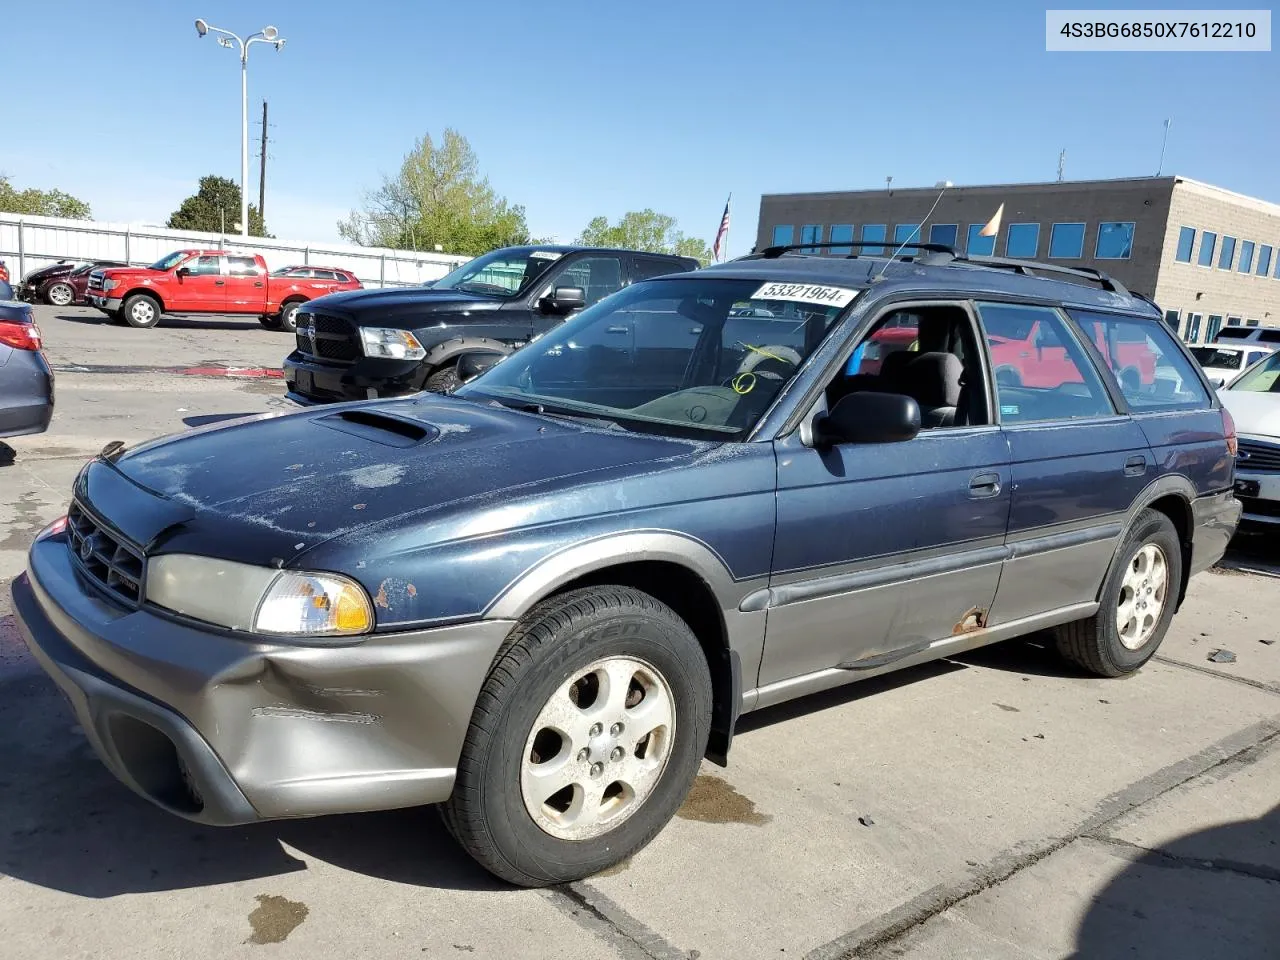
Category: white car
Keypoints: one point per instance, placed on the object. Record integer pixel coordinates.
(1253, 400)
(1240, 334)
(1222, 362)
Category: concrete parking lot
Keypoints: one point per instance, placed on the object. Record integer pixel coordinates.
(1000, 805)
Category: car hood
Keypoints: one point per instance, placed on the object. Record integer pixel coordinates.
(369, 306)
(46, 273)
(1254, 413)
(117, 273)
(334, 470)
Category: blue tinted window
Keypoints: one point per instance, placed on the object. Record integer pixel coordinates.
(1228, 253)
(1023, 240)
(783, 236)
(1193, 327)
(1186, 240)
(979, 246)
(944, 233)
(811, 233)
(1115, 241)
(1208, 240)
(1264, 260)
(1173, 320)
(1246, 257)
(841, 233)
(873, 232)
(1066, 241)
(906, 233)
(1215, 324)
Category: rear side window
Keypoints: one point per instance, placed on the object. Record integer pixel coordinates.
(1042, 371)
(325, 275)
(242, 266)
(642, 268)
(1154, 375)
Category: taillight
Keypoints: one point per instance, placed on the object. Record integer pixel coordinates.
(1229, 428)
(20, 336)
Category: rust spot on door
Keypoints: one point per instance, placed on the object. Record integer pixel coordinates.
(975, 618)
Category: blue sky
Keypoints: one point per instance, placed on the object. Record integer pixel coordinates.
(583, 108)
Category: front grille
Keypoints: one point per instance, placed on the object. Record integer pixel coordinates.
(1260, 508)
(329, 338)
(1256, 455)
(104, 556)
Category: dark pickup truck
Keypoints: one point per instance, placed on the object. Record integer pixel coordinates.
(367, 344)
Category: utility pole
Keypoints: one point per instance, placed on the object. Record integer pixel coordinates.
(262, 170)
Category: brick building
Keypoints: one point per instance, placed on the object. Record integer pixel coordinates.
(1208, 256)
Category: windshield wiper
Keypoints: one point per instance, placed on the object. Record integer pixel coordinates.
(529, 406)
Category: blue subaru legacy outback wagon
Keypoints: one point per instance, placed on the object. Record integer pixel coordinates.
(541, 600)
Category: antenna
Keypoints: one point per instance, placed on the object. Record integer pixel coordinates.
(1062, 162)
(946, 184)
(1164, 143)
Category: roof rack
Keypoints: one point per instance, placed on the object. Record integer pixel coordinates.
(1033, 268)
(772, 253)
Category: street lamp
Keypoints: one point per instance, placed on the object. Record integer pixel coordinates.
(228, 39)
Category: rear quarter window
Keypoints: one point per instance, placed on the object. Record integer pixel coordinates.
(1153, 373)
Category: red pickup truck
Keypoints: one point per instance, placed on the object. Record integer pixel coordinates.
(211, 281)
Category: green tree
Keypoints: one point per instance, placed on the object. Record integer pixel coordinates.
(215, 208)
(41, 203)
(437, 197)
(644, 230)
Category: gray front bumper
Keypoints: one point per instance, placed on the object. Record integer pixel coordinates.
(110, 304)
(1259, 490)
(221, 729)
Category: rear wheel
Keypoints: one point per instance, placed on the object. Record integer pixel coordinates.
(60, 294)
(1138, 602)
(585, 738)
(270, 320)
(141, 310)
(288, 319)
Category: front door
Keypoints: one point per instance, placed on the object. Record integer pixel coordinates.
(884, 549)
(203, 289)
(598, 275)
(1077, 465)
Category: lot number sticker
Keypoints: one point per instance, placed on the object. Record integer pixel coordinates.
(806, 293)
(545, 255)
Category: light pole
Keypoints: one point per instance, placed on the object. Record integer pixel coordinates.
(228, 39)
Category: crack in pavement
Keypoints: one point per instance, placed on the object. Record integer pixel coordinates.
(1136, 851)
(1209, 672)
(595, 912)
(893, 924)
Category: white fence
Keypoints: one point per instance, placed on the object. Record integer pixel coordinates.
(28, 243)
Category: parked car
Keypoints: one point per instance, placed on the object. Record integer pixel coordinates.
(52, 284)
(1254, 401)
(4, 276)
(196, 282)
(1222, 362)
(393, 342)
(1248, 335)
(543, 599)
(26, 380)
(323, 274)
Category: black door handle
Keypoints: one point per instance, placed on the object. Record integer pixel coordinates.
(984, 485)
(1135, 466)
(219, 283)
(258, 283)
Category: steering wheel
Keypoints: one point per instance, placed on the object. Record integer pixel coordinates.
(755, 366)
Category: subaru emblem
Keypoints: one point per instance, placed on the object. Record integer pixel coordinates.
(86, 549)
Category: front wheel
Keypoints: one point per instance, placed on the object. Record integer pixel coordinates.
(288, 321)
(1137, 602)
(140, 310)
(444, 380)
(60, 294)
(585, 738)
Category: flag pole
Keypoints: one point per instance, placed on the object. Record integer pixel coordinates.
(724, 251)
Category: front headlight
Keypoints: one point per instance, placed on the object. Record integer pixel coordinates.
(110, 284)
(391, 344)
(240, 596)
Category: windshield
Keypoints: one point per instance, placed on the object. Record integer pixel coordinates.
(502, 273)
(1262, 377)
(693, 357)
(169, 261)
(1222, 359)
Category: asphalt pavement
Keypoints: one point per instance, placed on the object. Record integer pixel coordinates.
(999, 805)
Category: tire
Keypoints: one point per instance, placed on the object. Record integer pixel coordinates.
(116, 318)
(444, 380)
(140, 310)
(270, 320)
(1102, 644)
(1130, 381)
(59, 295)
(288, 319)
(1008, 377)
(491, 813)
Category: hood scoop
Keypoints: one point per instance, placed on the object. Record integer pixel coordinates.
(381, 427)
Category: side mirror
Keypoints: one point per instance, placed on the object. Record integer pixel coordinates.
(565, 299)
(183, 272)
(869, 417)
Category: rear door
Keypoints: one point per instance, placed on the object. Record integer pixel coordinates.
(203, 289)
(1078, 463)
(246, 285)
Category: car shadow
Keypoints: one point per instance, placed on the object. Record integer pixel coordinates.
(207, 419)
(67, 824)
(1210, 893)
(1035, 655)
(174, 323)
(8, 455)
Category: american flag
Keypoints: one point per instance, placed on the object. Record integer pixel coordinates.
(723, 234)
